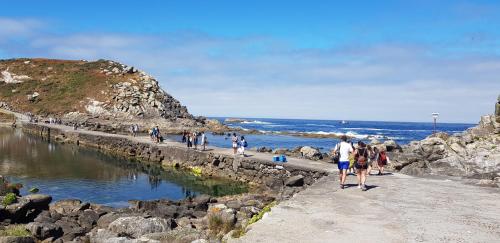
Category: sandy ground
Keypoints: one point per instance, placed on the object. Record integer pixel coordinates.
(396, 208)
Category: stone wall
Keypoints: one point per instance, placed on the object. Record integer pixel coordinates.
(286, 178)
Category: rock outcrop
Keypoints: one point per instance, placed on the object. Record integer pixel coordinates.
(98, 94)
(474, 153)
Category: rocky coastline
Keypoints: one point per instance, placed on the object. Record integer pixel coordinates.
(473, 154)
(199, 218)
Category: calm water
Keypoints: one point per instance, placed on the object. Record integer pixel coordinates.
(402, 132)
(68, 171)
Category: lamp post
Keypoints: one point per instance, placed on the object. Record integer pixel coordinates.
(435, 116)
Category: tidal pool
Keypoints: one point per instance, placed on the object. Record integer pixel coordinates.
(68, 171)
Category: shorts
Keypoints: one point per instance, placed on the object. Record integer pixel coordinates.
(235, 145)
(361, 167)
(343, 165)
(381, 163)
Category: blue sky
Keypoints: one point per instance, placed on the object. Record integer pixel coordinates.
(355, 60)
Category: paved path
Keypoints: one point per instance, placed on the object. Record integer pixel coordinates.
(398, 208)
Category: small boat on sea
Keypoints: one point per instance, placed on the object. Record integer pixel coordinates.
(344, 122)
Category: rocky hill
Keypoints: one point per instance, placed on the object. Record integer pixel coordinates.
(474, 153)
(97, 93)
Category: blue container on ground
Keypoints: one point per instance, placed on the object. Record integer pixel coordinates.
(282, 158)
(276, 158)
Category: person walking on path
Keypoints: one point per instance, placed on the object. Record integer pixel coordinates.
(371, 158)
(344, 149)
(204, 141)
(382, 160)
(189, 140)
(243, 144)
(361, 156)
(352, 160)
(234, 141)
(135, 129)
(195, 140)
(184, 136)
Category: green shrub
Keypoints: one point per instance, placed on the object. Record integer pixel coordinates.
(9, 199)
(15, 230)
(259, 216)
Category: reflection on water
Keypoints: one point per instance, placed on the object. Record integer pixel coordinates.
(69, 171)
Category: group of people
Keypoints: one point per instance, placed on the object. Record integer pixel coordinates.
(359, 160)
(194, 138)
(238, 144)
(155, 134)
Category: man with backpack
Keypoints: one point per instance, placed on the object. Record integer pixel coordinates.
(361, 157)
(343, 149)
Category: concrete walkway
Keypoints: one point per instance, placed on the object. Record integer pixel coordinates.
(397, 208)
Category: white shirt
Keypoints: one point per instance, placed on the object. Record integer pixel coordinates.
(345, 149)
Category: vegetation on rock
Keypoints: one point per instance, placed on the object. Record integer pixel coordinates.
(14, 230)
(9, 199)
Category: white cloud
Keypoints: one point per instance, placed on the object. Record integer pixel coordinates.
(18, 27)
(262, 77)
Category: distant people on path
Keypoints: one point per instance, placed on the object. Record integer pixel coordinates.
(184, 136)
(156, 135)
(382, 160)
(242, 145)
(345, 149)
(361, 165)
(135, 129)
(195, 140)
(372, 151)
(204, 141)
(189, 139)
(131, 130)
(234, 140)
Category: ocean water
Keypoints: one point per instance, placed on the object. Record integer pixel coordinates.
(401, 132)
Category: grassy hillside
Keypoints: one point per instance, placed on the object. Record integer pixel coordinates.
(62, 85)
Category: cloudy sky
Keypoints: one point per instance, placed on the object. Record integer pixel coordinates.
(357, 60)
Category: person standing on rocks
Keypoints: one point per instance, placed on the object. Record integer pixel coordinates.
(344, 149)
(361, 156)
(234, 140)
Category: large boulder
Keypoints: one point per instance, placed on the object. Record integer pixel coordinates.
(44, 230)
(67, 206)
(136, 226)
(311, 153)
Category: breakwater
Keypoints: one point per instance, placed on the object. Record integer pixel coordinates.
(286, 178)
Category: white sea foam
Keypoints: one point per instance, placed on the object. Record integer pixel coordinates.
(382, 129)
(256, 122)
